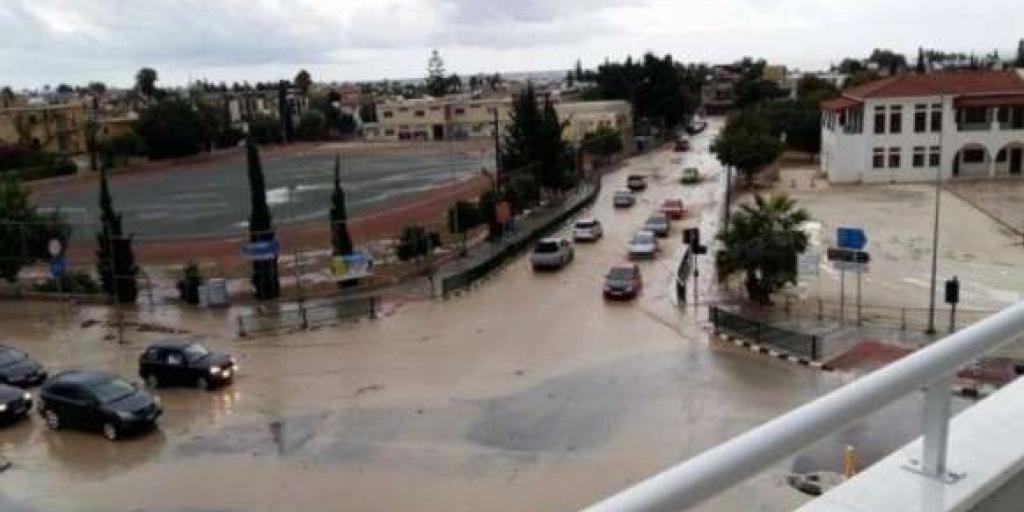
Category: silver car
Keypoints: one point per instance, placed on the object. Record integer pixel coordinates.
(644, 245)
(623, 199)
(587, 230)
(551, 253)
(657, 224)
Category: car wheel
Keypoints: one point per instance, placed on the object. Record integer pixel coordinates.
(203, 383)
(110, 431)
(52, 419)
(152, 381)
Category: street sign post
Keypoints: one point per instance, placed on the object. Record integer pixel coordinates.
(851, 238)
(952, 298)
(849, 259)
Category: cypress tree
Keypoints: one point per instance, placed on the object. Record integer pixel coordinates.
(115, 260)
(921, 67)
(284, 112)
(340, 239)
(264, 271)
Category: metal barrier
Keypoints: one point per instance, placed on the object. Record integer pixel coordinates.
(932, 368)
(796, 343)
(306, 315)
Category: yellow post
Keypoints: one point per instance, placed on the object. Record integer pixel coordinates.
(849, 462)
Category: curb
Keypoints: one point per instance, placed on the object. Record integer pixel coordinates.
(770, 352)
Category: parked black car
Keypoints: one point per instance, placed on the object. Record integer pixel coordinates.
(18, 369)
(94, 400)
(185, 363)
(14, 403)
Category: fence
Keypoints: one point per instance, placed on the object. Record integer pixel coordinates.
(268, 319)
(796, 343)
(490, 260)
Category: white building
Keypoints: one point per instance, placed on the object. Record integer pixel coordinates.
(967, 124)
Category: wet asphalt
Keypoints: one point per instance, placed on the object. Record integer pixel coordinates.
(529, 393)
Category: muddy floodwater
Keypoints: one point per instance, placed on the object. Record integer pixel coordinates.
(529, 393)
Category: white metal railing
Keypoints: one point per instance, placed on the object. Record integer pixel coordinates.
(933, 368)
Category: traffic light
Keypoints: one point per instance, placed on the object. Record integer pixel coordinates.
(953, 291)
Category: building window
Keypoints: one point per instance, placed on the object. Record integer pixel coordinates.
(389, 132)
(474, 105)
(934, 153)
(918, 160)
(435, 107)
(879, 119)
(937, 117)
(459, 111)
(1001, 155)
(920, 118)
(420, 113)
(895, 119)
(878, 159)
(388, 114)
(894, 158)
(973, 156)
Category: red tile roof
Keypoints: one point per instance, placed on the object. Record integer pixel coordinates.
(839, 103)
(945, 82)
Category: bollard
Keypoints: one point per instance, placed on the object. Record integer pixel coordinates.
(241, 327)
(373, 308)
(821, 312)
(305, 319)
(850, 462)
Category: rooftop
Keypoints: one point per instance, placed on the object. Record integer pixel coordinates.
(959, 83)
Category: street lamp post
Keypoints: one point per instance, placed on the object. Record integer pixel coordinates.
(935, 228)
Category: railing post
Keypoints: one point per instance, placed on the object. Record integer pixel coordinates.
(302, 313)
(937, 401)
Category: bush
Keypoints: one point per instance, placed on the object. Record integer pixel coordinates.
(265, 129)
(416, 242)
(188, 286)
(312, 125)
(171, 128)
(117, 150)
(72, 282)
(467, 214)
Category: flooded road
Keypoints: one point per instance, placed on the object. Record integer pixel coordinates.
(529, 393)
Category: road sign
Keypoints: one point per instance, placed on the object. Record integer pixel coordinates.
(953, 291)
(850, 266)
(836, 254)
(352, 266)
(851, 238)
(691, 236)
(261, 251)
(58, 267)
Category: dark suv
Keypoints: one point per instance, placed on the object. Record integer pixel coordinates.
(185, 363)
(97, 400)
(17, 369)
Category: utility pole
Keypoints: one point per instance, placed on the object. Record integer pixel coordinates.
(497, 152)
(935, 231)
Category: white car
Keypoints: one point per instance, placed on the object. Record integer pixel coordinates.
(587, 230)
(644, 245)
(551, 253)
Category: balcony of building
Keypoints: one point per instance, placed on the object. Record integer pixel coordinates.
(972, 117)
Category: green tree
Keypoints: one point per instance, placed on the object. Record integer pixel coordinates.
(6, 97)
(921, 68)
(860, 78)
(414, 242)
(24, 232)
(340, 239)
(303, 81)
(312, 125)
(534, 144)
(171, 128)
(284, 112)
(437, 84)
(463, 217)
(762, 242)
(747, 143)
(118, 150)
(889, 60)
(261, 229)
(1019, 62)
(660, 89)
(115, 260)
(97, 88)
(813, 90)
(145, 82)
(605, 141)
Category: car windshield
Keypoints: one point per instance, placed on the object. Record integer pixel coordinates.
(195, 352)
(10, 355)
(636, 178)
(656, 220)
(547, 246)
(112, 390)
(623, 194)
(585, 224)
(643, 238)
(620, 274)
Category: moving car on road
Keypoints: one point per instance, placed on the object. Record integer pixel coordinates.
(97, 400)
(623, 199)
(551, 253)
(690, 176)
(673, 208)
(644, 245)
(14, 403)
(17, 369)
(587, 230)
(636, 182)
(658, 224)
(623, 282)
(185, 363)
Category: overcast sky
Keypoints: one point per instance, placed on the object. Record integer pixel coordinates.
(75, 41)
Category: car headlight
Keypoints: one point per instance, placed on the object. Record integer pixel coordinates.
(214, 370)
(156, 399)
(26, 396)
(125, 415)
(3, 407)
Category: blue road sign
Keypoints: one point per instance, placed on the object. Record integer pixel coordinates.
(851, 238)
(257, 251)
(58, 267)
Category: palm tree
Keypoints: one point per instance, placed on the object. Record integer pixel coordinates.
(762, 241)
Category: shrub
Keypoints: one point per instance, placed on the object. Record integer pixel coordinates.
(72, 282)
(265, 129)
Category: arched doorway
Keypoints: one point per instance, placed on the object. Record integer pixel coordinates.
(972, 161)
(1010, 160)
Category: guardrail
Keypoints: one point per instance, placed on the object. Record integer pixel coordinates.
(699, 478)
(796, 343)
(305, 315)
